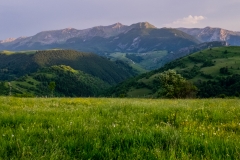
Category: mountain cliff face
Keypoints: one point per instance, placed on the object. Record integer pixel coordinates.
(209, 34)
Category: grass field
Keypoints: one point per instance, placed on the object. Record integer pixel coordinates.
(91, 128)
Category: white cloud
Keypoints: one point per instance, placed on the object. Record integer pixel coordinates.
(186, 21)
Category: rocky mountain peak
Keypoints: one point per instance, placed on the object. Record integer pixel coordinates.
(143, 25)
(8, 40)
(117, 25)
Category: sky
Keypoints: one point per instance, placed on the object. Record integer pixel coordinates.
(28, 17)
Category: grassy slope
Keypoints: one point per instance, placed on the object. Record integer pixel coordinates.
(184, 66)
(119, 129)
(231, 59)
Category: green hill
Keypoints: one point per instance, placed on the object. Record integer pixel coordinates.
(15, 65)
(68, 82)
(214, 71)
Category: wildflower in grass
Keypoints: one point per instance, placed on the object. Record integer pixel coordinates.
(12, 135)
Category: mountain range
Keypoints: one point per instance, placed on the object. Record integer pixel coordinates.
(209, 34)
(137, 38)
(61, 36)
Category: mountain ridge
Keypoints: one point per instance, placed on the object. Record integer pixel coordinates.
(118, 37)
(209, 34)
(63, 34)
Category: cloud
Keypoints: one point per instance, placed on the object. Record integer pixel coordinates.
(187, 21)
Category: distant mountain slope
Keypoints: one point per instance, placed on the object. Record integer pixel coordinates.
(137, 40)
(14, 65)
(209, 34)
(139, 37)
(215, 71)
(53, 37)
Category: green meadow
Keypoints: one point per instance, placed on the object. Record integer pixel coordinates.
(108, 128)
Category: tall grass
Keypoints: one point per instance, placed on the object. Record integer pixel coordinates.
(86, 128)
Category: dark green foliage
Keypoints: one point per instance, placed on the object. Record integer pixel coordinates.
(174, 85)
(4, 90)
(207, 63)
(225, 52)
(228, 86)
(16, 65)
(208, 76)
(195, 70)
(197, 59)
(52, 86)
(224, 70)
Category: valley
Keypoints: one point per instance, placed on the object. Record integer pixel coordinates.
(119, 60)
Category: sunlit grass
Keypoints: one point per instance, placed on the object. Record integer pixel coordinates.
(89, 128)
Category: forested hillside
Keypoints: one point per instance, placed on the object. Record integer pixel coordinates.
(56, 81)
(15, 65)
(215, 72)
